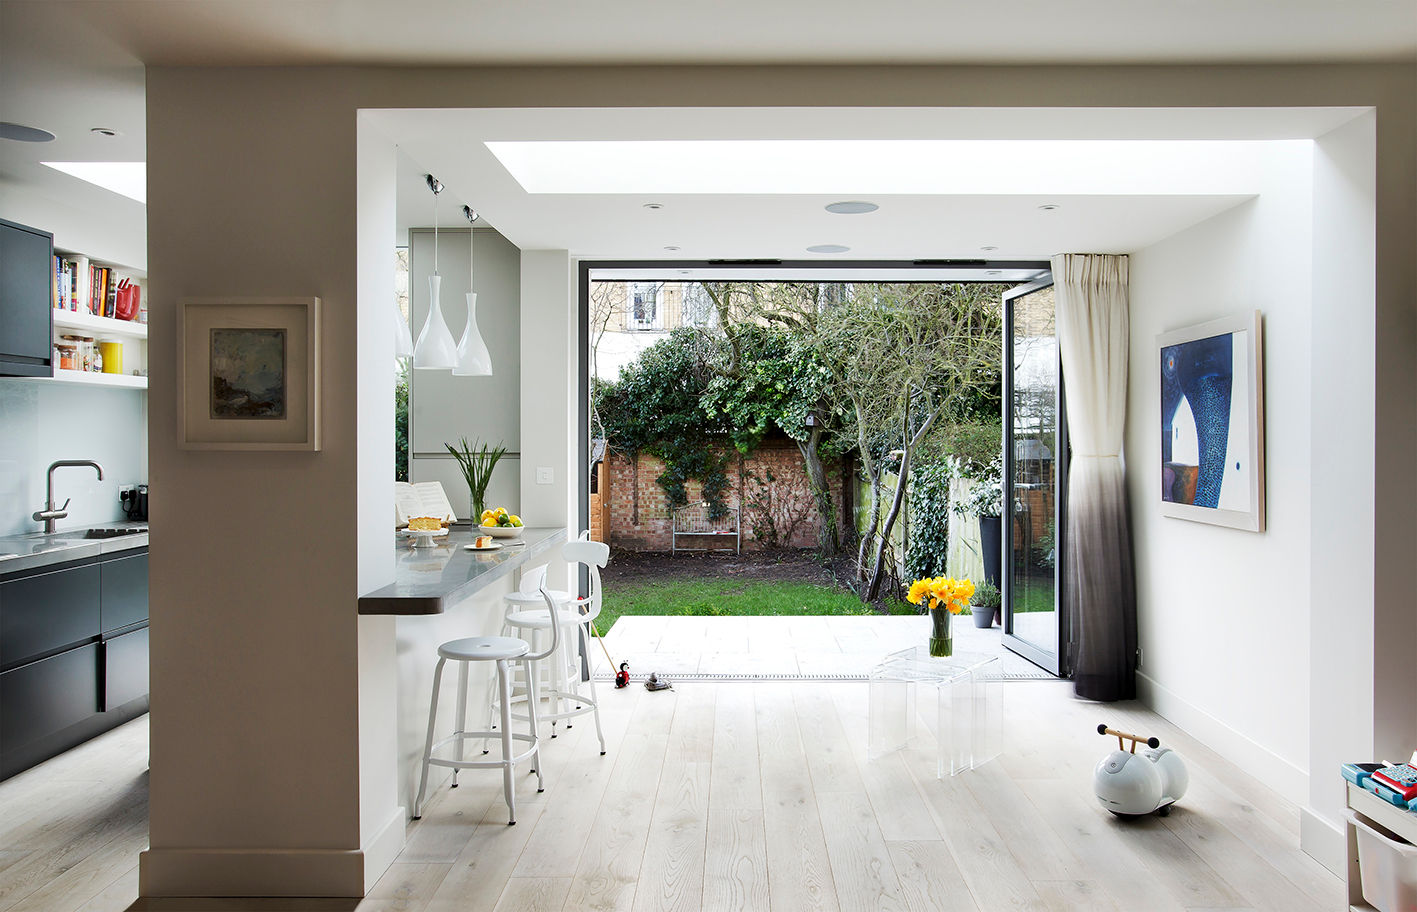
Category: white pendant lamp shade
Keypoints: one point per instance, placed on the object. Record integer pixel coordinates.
(435, 349)
(473, 357)
(403, 339)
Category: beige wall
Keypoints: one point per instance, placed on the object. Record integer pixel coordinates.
(257, 659)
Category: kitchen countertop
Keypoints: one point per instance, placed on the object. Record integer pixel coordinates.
(428, 580)
(39, 549)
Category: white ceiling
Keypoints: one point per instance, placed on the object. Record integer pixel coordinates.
(70, 65)
(1099, 209)
(214, 32)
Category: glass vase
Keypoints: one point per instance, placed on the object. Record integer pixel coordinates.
(942, 641)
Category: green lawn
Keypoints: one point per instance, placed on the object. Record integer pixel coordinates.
(728, 597)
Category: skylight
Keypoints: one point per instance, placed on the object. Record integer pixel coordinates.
(129, 179)
(883, 166)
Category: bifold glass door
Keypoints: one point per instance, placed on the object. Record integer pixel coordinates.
(1035, 479)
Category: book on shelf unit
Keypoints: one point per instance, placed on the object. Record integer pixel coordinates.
(81, 285)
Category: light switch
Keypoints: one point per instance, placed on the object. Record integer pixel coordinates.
(545, 475)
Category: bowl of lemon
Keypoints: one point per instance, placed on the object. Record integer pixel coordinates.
(498, 523)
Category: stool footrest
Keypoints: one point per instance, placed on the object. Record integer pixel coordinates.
(588, 705)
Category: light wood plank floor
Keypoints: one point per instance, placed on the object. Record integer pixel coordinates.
(732, 796)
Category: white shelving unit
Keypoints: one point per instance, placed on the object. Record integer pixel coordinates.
(133, 335)
(1403, 823)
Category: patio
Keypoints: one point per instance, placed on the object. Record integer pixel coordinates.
(835, 648)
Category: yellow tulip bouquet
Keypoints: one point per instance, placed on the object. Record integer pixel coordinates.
(945, 596)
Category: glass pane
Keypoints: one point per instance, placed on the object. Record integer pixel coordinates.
(1035, 432)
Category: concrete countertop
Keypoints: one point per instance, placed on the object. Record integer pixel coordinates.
(427, 580)
(38, 549)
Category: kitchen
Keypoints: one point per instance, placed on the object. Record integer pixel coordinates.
(73, 441)
(73, 505)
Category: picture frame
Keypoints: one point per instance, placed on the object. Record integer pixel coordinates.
(248, 374)
(1212, 465)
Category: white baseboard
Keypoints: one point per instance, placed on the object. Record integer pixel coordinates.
(384, 846)
(1324, 840)
(250, 872)
(1279, 773)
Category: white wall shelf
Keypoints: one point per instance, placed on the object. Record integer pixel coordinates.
(94, 378)
(90, 324)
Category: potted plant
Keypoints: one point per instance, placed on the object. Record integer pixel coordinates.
(945, 598)
(986, 501)
(984, 605)
(477, 465)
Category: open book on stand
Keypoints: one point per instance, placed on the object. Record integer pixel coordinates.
(427, 498)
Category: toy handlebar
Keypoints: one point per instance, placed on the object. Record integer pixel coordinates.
(1150, 742)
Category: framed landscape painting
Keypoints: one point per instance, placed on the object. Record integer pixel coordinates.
(1212, 422)
(248, 373)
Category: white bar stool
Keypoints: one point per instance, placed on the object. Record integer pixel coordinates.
(502, 651)
(564, 695)
(528, 596)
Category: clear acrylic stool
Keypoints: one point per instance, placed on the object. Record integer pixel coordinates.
(968, 702)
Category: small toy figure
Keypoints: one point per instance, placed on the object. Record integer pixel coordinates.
(622, 677)
(1132, 786)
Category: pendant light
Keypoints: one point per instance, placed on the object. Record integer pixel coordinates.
(403, 339)
(435, 349)
(473, 358)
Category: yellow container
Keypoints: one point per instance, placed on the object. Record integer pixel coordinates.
(112, 357)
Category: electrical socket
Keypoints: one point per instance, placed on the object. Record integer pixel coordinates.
(545, 475)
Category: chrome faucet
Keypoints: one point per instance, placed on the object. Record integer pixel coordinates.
(49, 514)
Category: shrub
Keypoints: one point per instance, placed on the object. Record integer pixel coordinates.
(928, 553)
(986, 595)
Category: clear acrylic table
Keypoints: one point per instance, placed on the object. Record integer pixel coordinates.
(967, 694)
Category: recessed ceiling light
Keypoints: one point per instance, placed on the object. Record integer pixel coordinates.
(103, 131)
(827, 248)
(671, 248)
(127, 178)
(988, 247)
(852, 207)
(993, 272)
(22, 133)
(654, 205)
(1048, 207)
(685, 271)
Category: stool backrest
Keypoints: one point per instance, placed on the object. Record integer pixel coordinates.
(533, 580)
(594, 555)
(555, 629)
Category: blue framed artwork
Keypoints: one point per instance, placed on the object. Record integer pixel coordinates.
(1212, 422)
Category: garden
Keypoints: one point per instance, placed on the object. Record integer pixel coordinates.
(890, 395)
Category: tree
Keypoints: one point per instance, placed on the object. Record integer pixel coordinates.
(769, 373)
(902, 355)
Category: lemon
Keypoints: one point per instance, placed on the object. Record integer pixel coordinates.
(516, 520)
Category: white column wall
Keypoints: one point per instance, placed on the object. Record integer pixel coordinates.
(1222, 614)
(548, 383)
(1343, 492)
(381, 818)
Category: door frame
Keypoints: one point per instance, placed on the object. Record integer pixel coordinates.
(1058, 663)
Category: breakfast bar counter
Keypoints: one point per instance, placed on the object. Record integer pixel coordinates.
(429, 580)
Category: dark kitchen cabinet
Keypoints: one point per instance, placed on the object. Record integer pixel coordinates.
(123, 592)
(73, 655)
(125, 669)
(44, 613)
(45, 705)
(26, 301)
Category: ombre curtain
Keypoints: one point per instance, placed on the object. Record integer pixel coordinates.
(1092, 319)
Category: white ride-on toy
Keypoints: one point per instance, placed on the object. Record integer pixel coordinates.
(1129, 785)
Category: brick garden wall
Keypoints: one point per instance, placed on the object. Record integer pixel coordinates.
(771, 482)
